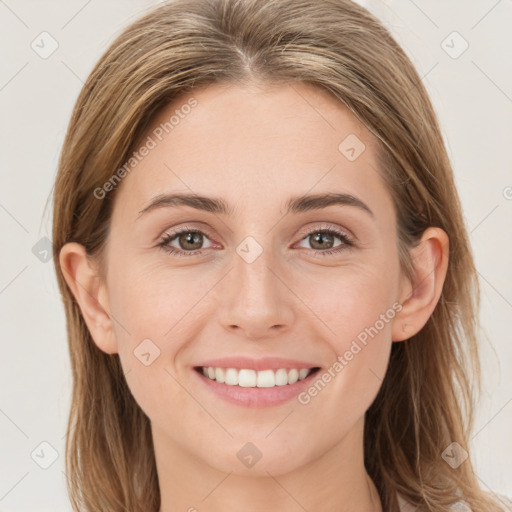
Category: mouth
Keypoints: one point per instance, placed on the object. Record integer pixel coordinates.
(249, 378)
(255, 388)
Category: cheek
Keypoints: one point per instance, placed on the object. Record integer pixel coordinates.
(356, 310)
(347, 301)
(156, 314)
(156, 301)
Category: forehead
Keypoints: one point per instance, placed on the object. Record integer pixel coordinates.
(261, 142)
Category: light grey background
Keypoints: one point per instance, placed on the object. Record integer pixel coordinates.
(472, 95)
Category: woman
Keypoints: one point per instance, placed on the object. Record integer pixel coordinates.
(269, 288)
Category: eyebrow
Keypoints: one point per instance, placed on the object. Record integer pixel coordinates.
(218, 206)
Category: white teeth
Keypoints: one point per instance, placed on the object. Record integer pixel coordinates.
(281, 377)
(219, 374)
(303, 372)
(266, 379)
(293, 376)
(247, 378)
(251, 378)
(231, 377)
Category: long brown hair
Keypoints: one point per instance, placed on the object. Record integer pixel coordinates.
(427, 397)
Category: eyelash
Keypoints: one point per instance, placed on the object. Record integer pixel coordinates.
(169, 237)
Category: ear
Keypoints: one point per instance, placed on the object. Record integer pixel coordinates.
(420, 295)
(90, 292)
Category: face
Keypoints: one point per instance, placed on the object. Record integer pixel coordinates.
(270, 282)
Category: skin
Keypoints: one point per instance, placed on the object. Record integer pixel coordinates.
(255, 147)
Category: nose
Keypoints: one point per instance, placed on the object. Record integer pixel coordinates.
(255, 301)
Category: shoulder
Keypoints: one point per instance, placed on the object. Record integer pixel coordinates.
(405, 506)
(460, 506)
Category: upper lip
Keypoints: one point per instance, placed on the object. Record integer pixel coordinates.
(264, 363)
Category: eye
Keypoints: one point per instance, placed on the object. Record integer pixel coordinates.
(189, 242)
(322, 241)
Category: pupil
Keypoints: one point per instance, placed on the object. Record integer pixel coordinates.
(190, 237)
(318, 238)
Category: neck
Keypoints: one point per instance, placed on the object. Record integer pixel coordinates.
(336, 481)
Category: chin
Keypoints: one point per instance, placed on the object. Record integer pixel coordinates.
(259, 458)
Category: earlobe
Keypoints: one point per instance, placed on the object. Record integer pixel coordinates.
(90, 292)
(420, 295)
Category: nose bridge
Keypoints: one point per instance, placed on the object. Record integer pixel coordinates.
(255, 300)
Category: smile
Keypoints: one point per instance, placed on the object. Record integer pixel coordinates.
(250, 387)
(249, 378)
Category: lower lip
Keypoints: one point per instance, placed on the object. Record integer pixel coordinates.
(256, 397)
